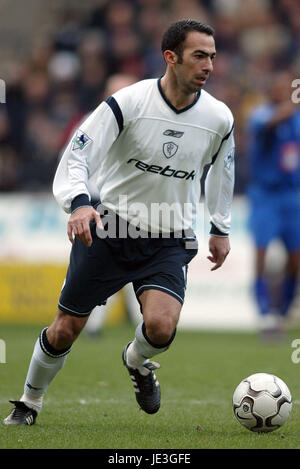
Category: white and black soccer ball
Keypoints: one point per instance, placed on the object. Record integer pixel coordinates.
(262, 402)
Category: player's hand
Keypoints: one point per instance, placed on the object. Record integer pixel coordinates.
(219, 248)
(79, 224)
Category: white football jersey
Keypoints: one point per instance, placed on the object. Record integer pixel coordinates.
(148, 159)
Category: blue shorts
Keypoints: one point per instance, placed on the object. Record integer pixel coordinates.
(275, 215)
(95, 273)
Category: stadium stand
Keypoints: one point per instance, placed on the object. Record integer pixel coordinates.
(57, 62)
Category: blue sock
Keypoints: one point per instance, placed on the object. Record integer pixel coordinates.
(262, 295)
(288, 293)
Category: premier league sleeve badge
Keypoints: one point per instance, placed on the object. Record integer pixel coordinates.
(80, 141)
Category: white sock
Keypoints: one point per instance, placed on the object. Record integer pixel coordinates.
(35, 404)
(44, 365)
(141, 349)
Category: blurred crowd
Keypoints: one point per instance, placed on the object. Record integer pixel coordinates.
(67, 74)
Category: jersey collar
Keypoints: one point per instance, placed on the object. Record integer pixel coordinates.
(178, 111)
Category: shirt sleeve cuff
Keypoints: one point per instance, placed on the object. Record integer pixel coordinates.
(81, 200)
(216, 232)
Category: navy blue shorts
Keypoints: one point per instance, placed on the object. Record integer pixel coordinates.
(95, 273)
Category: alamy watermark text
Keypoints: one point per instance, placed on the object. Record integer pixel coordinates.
(2, 351)
(2, 91)
(295, 97)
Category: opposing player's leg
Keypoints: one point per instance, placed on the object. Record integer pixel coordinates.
(263, 207)
(262, 291)
(269, 321)
(49, 355)
(291, 240)
(290, 283)
(96, 321)
(153, 336)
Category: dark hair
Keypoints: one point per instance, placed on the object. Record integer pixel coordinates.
(176, 34)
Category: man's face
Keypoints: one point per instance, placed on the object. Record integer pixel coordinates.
(197, 61)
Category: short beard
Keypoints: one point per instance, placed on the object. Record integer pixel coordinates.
(190, 89)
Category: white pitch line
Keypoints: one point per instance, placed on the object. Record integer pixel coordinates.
(91, 401)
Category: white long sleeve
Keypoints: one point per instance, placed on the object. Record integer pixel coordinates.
(219, 185)
(84, 154)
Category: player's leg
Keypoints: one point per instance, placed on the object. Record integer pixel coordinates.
(81, 292)
(269, 321)
(153, 336)
(291, 239)
(261, 286)
(156, 332)
(161, 296)
(290, 282)
(264, 224)
(49, 355)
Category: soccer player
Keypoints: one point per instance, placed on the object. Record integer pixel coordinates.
(274, 155)
(148, 144)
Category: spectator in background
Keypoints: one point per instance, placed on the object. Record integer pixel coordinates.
(8, 171)
(104, 38)
(95, 69)
(274, 153)
(50, 102)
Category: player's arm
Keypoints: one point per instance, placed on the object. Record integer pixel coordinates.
(219, 186)
(79, 162)
(263, 121)
(281, 113)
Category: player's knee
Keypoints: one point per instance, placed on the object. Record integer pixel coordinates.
(160, 328)
(64, 331)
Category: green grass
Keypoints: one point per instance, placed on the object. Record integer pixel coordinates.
(91, 402)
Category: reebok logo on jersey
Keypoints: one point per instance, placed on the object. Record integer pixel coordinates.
(167, 171)
(80, 140)
(173, 133)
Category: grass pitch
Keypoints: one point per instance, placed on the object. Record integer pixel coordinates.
(91, 403)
